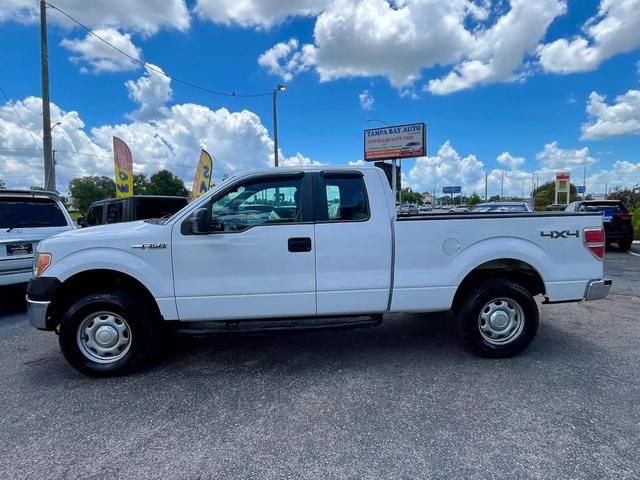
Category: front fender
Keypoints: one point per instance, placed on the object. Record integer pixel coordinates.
(154, 271)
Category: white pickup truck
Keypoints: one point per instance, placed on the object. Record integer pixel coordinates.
(306, 248)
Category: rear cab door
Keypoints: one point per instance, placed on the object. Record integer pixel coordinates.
(353, 242)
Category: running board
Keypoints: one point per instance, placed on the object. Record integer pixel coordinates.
(250, 326)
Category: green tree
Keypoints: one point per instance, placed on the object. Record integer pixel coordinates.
(409, 196)
(166, 183)
(545, 194)
(86, 190)
(140, 184)
(630, 197)
(474, 199)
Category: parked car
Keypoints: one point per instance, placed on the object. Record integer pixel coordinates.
(618, 227)
(136, 207)
(409, 209)
(26, 218)
(411, 148)
(459, 209)
(556, 207)
(221, 265)
(424, 209)
(502, 207)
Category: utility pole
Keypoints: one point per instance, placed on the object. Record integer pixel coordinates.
(279, 88)
(486, 185)
(502, 185)
(49, 168)
(584, 180)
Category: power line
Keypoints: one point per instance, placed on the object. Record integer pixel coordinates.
(24, 125)
(157, 70)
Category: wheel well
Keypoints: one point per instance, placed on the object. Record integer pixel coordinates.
(508, 268)
(91, 281)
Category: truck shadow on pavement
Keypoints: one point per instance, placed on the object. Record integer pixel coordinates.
(12, 300)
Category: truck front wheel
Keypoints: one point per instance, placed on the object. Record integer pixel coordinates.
(497, 318)
(106, 334)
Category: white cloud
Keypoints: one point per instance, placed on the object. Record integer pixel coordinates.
(237, 140)
(614, 29)
(284, 59)
(509, 161)
(100, 57)
(554, 157)
(298, 160)
(151, 91)
(446, 168)
(398, 40)
(621, 118)
(497, 53)
(366, 100)
(144, 16)
(256, 13)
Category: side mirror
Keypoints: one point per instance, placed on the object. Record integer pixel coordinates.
(198, 223)
(81, 221)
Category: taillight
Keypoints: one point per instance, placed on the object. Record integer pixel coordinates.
(623, 216)
(593, 238)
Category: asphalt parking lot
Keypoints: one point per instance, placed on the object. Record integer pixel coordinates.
(403, 400)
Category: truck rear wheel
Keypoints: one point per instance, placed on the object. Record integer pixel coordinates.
(497, 318)
(106, 334)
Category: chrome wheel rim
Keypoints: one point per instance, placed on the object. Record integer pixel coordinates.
(501, 321)
(104, 337)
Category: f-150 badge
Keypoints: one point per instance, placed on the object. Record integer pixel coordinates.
(560, 234)
(150, 245)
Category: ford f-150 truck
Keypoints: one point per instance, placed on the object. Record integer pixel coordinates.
(301, 248)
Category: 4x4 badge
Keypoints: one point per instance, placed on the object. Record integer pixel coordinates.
(562, 234)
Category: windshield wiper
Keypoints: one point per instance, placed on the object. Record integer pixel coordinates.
(28, 224)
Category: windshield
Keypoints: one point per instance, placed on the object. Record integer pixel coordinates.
(30, 212)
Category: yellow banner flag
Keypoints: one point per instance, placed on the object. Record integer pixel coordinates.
(123, 162)
(202, 181)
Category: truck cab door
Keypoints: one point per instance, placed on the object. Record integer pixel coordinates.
(257, 258)
(353, 243)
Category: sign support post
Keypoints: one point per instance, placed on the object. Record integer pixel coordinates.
(394, 180)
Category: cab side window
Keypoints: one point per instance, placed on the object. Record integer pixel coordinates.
(346, 199)
(260, 202)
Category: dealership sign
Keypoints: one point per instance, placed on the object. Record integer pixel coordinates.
(394, 142)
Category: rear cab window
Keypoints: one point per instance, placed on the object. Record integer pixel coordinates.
(154, 207)
(30, 212)
(342, 197)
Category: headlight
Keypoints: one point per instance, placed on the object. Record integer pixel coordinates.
(40, 263)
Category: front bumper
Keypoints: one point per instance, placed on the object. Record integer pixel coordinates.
(597, 289)
(40, 293)
(37, 313)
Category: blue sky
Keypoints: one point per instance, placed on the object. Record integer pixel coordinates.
(507, 87)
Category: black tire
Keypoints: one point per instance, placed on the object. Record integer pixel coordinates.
(625, 245)
(139, 333)
(486, 296)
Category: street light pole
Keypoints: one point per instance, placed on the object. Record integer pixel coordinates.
(279, 88)
(49, 172)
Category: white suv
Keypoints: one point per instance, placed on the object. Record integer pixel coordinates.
(26, 217)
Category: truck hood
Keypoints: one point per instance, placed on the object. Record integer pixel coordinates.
(117, 235)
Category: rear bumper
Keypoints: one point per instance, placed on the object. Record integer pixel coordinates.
(37, 313)
(597, 289)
